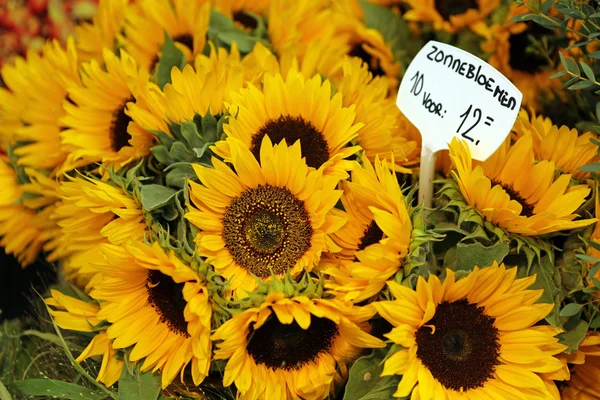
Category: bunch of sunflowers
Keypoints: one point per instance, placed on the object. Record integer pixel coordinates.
(228, 189)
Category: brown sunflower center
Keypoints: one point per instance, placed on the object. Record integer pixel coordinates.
(463, 351)
(288, 346)
(373, 63)
(291, 129)
(371, 236)
(119, 137)
(448, 8)
(166, 297)
(245, 19)
(514, 195)
(186, 40)
(267, 230)
(521, 59)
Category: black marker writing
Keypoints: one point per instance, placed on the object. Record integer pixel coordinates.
(474, 73)
(430, 104)
(475, 115)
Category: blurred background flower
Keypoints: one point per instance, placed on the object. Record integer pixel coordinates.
(27, 24)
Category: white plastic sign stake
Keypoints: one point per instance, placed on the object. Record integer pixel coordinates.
(447, 92)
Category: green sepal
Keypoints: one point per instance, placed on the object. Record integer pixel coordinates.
(395, 32)
(223, 32)
(171, 57)
(365, 381)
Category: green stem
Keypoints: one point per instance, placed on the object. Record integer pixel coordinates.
(557, 25)
(75, 364)
(582, 78)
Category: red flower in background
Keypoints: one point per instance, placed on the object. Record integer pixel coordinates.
(26, 24)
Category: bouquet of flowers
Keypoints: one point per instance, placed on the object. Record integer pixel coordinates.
(228, 192)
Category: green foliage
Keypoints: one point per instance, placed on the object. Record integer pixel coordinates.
(56, 389)
(394, 30)
(476, 254)
(365, 381)
(4, 395)
(548, 279)
(187, 144)
(156, 196)
(578, 58)
(136, 385)
(223, 32)
(171, 57)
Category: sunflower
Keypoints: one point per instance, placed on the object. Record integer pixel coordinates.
(472, 338)
(291, 347)
(104, 30)
(450, 15)
(89, 214)
(294, 109)
(99, 128)
(595, 237)
(564, 146)
(240, 11)
(386, 132)
(21, 229)
(584, 371)
(507, 44)
(185, 21)
(294, 27)
(40, 85)
(263, 219)
(158, 305)
(517, 194)
(370, 46)
(377, 235)
(73, 314)
(216, 76)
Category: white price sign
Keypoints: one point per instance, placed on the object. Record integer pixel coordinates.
(447, 92)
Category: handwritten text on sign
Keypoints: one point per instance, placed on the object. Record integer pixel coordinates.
(448, 92)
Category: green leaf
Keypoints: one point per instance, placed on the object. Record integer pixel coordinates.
(588, 71)
(163, 138)
(220, 22)
(595, 324)
(546, 5)
(4, 395)
(209, 128)
(58, 389)
(179, 152)
(569, 64)
(595, 167)
(573, 338)
(570, 309)
(595, 54)
(139, 386)
(578, 44)
(200, 151)
(558, 74)
(547, 21)
(365, 380)
(476, 254)
(585, 257)
(524, 17)
(156, 196)
(178, 176)
(189, 130)
(171, 57)
(244, 41)
(580, 85)
(546, 278)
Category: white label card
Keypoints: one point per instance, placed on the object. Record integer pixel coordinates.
(448, 92)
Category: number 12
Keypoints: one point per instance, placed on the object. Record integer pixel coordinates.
(477, 114)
